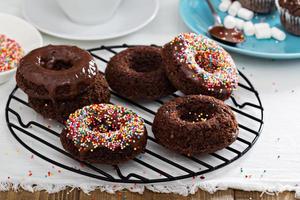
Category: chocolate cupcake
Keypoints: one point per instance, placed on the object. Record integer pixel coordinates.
(290, 15)
(259, 6)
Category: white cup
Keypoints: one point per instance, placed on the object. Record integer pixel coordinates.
(89, 11)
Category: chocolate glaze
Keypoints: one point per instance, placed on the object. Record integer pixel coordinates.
(233, 36)
(56, 72)
(61, 109)
(293, 6)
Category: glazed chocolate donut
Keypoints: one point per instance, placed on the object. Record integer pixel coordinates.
(104, 133)
(198, 65)
(138, 73)
(195, 124)
(56, 72)
(61, 109)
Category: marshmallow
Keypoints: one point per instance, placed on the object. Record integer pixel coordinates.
(234, 8)
(245, 14)
(229, 22)
(249, 28)
(239, 24)
(278, 34)
(261, 26)
(224, 5)
(263, 33)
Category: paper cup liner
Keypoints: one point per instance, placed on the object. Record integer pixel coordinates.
(259, 6)
(290, 22)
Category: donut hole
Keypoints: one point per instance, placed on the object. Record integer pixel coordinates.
(104, 125)
(62, 64)
(56, 64)
(206, 62)
(196, 113)
(145, 61)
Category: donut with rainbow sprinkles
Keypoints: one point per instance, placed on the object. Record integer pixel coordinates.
(196, 64)
(104, 133)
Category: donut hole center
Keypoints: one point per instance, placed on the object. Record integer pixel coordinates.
(104, 125)
(56, 64)
(145, 62)
(196, 113)
(207, 62)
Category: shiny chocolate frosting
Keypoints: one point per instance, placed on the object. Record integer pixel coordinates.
(56, 72)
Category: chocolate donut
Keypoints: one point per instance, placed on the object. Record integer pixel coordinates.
(138, 73)
(56, 72)
(195, 124)
(61, 109)
(104, 133)
(198, 65)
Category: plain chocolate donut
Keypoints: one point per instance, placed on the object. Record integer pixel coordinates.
(138, 73)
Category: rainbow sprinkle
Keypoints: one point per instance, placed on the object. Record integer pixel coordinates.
(10, 53)
(208, 60)
(105, 125)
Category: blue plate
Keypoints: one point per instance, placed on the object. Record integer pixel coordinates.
(196, 15)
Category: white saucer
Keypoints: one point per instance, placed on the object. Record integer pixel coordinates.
(49, 18)
(18, 29)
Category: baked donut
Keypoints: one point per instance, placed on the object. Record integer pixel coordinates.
(195, 124)
(198, 65)
(56, 72)
(104, 133)
(138, 73)
(61, 109)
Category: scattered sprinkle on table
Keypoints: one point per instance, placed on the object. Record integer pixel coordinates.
(29, 173)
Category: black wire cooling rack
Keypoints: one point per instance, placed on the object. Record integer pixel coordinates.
(121, 174)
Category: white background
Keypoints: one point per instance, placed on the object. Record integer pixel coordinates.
(274, 162)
